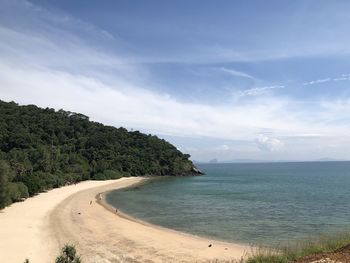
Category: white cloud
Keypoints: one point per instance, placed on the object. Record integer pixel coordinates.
(265, 143)
(128, 105)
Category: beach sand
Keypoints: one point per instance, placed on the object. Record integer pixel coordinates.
(38, 227)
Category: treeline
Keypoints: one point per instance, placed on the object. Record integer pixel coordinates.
(42, 149)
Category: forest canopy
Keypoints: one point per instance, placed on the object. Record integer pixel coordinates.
(42, 149)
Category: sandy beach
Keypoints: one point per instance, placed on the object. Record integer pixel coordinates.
(38, 227)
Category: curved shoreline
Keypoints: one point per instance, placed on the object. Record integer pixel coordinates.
(151, 243)
(101, 199)
(38, 227)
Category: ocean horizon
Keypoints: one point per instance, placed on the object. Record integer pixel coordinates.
(249, 203)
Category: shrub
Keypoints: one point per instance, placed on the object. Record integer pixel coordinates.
(68, 255)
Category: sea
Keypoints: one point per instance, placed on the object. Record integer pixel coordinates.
(247, 203)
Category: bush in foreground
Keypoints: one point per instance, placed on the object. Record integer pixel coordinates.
(68, 255)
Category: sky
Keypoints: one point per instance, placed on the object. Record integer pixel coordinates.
(261, 80)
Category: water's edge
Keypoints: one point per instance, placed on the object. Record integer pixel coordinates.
(102, 200)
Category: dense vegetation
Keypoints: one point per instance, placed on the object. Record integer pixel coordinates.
(42, 148)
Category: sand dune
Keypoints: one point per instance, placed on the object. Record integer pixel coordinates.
(39, 226)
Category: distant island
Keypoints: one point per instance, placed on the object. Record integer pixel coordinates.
(41, 149)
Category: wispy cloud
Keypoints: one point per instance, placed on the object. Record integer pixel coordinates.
(340, 79)
(258, 91)
(329, 79)
(343, 77)
(236, 73)
(318, 81)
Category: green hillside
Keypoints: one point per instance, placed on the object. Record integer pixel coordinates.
(42, 149)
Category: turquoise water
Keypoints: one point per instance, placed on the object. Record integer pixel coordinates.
(269, 203)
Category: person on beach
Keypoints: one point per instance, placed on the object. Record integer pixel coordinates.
(90, 202)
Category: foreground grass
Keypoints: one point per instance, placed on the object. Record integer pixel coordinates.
(324, 244)
(287, 254)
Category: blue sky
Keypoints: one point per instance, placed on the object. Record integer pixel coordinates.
(266, 80)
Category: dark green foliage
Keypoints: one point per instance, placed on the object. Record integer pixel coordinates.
(17, 191)
(10, 191)
(42, 149)
(68, 255)
(4, 182)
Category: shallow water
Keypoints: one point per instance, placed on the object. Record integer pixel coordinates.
(261, 203)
